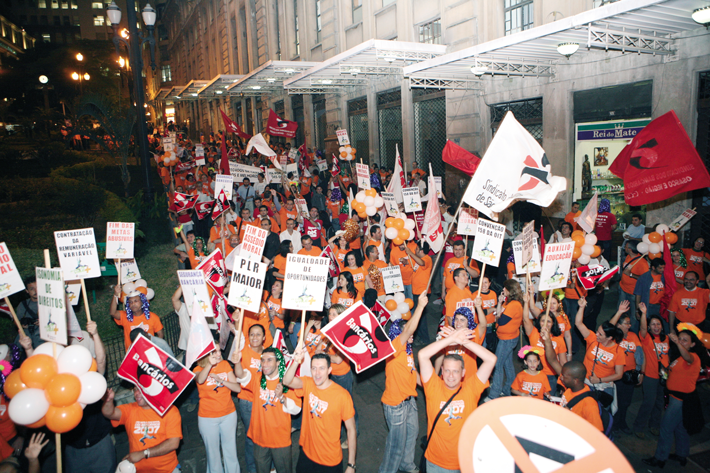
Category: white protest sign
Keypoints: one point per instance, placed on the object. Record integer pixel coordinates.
(194, 289)
(304, 282)
(439, 192)
(390, 204)
(534, 262)
(467, 303)
(363, 176)
(488, 243)
(78, 255)
(73, 290)
(229, 260)
(283, 160)
(252, 245)
(129, 271)
(392, 278)
(10, 279)
(343, 139)
(168, 146)
(223, 182)
(293, 153)
(119, 240)
(302, 206)
(50, 305)
(200, 150)
(678, 223)
(241, 171)
(322, 165)
(247, 284)
(274, 175)
(292, 168)
(528, 236)
(468, 221)
(412, 199)
(555, 267)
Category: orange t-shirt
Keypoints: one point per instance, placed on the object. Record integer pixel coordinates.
(683, 375)
(630, 344)
(488, 302)
(469, 359)
(151, 326)
(569, 218)
(306, 185)
(315, 251)
(452, 264)
(342, 298)
(327, 409)
(215, 397)
(587, 409)
(340, 256)
(7, 426)
(195, 259)
(511, 330)
(251, 361)
(420, 278)
(695, 261)
(563, 322)
(146, 429)
(443, 444)
(558, 344)
(243, 226)
(379, 264)
(405, 265)
(628, 284)
(280, 265)
(575, 291)
(657, 289)
(270, 426)
(275, 305)
(654, 354)
(216, 231)
(286, 214)
(679, 272)
(534, 385)
(358, 277)
(339, 369)
(334, 208)
(608, 358)
(400, 375)
(453, 296)
(689, 306)
(312, 340)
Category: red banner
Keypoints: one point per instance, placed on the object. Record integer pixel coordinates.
(591, 276)
(184, 201)
(213, 269)
(276, 126)
(202, 209)
(333, 268)
(383, 315)
(357, 334)
(160, 377)
(459, 158)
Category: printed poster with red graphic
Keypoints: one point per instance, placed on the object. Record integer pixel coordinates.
(358, 335)
(213, 269)
(10, 279)
(119, 240)
(160, 377)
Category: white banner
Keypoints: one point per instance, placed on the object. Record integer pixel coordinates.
(240, 171)
(78, 255)
(392, 277)
(51, 306)
(120, 237)
(488, 244)
(305, 282)
(412, 199)
(10, 279)
(322, 165)
(194, 288)
(468, 221)
(247, 285)
(223, 182)
(555, 267)
(129, 271)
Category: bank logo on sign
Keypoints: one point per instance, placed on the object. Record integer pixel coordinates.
(152, 373)
(80, 268)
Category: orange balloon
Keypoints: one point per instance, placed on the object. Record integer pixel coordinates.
(353, 150)
(371, 192)
(39, 424)
(577, 232)
(576, 253)
(94, 366)
(407, 316)
(410, 303)
(36, 371)
(362, 215)
(343, 154)
(391, 304)
(654, 255)
(63, 390)
(389, 222)
(142, 290)
(706, 340)
(398, 242)
(655, 237)
(578, 241)
(398, 223)
(13, 384)
(671, 238)
(403, 234)
(597, 251)
(63, 419)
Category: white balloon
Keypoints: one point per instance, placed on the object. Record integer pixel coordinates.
(368, 201)
(75, 359)
(409, 224)
(150, 295)
(28, 406)
(646, 240)
(360, 196)
(402, 307)
(129, 287)
(93, 387)
(395, 315)
(654, 248)
(140, 283)
(584, 259)
(642, 248)
(126, 467)
(399, 298)
(341, 149)
(587, 249)
(46, 349)
(411, 235)
(391, 233)
(590, 239)
(372, 210)
(379, 201)
(389, 297)
(662, 228)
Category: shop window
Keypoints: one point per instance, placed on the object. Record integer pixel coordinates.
(430, 33)
(74, 6)
(98, 20)
(518, 15)
(55, 4)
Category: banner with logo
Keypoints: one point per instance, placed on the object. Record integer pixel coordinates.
(51, 308)
(468, 221)
(334, 268)
(358, 335)
(390, 204)
(253, 242)
(160, 377)
(678, 223)
(412, 199)
(129, 271)
(277, 126)
(594, 274)
(304, 282)
(555, 266)
(119, 240)
(10, 279)
(78, 254)
(392, 279)
(247, 285)
(488, 243)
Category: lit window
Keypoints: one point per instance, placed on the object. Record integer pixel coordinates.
(97, 5)
(165, 73)
(430, 32)
(74, 5)
(46, 38)
(42, 4)
(518, 15)
(55, 4)
(98, 20)
(65, 5)
(319, 25)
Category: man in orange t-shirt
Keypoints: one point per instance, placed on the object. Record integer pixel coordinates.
(635, 265)
(689, 303)
(459, 260)
(401, 258)
(152, 439)
(308, 248)
(696, 256)
(136, 315)
(459, 292)
(421, 267)
(289, 210)
(574, 213)
(442, 450)
(329, 405)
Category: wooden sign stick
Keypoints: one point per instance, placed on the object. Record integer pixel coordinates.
(14, 317)
(57, 436)
(303, 327)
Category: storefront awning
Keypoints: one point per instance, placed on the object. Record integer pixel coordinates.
(162, 93)
(630, 26)
(218, 86)
(357, 65)
(268, 78)
(189, 92)
(173, 92)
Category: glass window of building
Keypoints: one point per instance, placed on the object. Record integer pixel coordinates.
(97, 5)
(98, 20)
(165, 73)
(46, 38)
(319, 25)
(430, 32)
(518, 15)
(296, 28)
(357, 11)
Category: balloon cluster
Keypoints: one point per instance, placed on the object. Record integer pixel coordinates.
(53, 390)
(347, 153)
(399, 306)
(170, 159)
(651, 242)
(585, 247)
(367, 202)
(399, 230)
(139, 285)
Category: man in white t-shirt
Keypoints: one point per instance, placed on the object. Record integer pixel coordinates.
(291, 233)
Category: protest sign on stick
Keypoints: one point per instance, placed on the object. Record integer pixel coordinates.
(392, 279)
(468, 221)
(78, 254)
(678, 223)
(194, 288)
(390, 204)
(120, 240)
(488, 243)
(223, 182)
(556, 265)
(51, 307)
(528, 237)
(10, 281)
(304, 284)
(534, 263)
(363, 175)
(412, 199)
(247, 284)
(253, 242)
(128, 271)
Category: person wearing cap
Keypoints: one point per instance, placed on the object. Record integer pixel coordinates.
(136, 315)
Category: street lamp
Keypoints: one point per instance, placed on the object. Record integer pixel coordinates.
(79, 57)
(80, 78)
(75, 76)
(134, 45)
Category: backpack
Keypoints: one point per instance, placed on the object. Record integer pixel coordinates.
(607, 418)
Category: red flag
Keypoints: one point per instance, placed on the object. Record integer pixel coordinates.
(670, 284)
(433, 230)
(213, 269)
(333, 267)
(542, 247)
(182, 167)
(660, 162)
(280, 344)
(381, 312)
(160, 377)
(304, 160)
(276, 126)
(5, 309)
(335, 168)
(232, 127)
(203, 208)
(460, 158)
(184, 201)
(359, 336)
(220, 205)
(591, 276)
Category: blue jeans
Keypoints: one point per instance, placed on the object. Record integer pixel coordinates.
(431, 468)
(403, 424)
(245, 414)
(552, 379)
(408, 291)
(652, 405)
(672, 424)
(504, 352)
(625, 296)
(219, 432)
(294, 336)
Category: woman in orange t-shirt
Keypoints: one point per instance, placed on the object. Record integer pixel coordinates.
(280, 259)
(345, 294)
(341, 248)
(353, 265)
(558, 314)
(196, 251)
(680, 265)
(273, 301)
(509, 318)
(217, 416)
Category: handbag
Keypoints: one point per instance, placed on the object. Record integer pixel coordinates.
(422, 463)
(662, 370)
(631, 377)
(617, 276)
